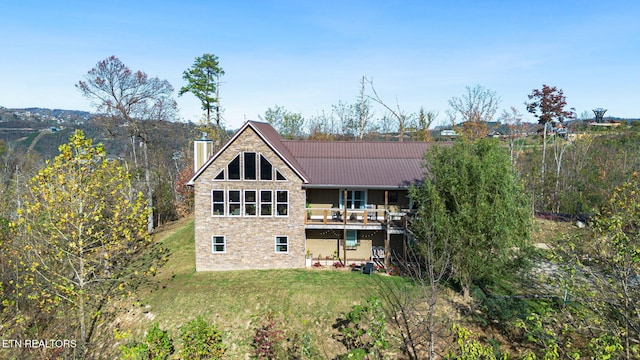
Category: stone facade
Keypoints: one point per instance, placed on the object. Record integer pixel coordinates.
(249, 241)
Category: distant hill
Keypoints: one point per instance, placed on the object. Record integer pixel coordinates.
(49, 116)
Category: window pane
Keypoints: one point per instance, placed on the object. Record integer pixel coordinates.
(234, 196)
(266, 210)
(282, 196)
(282, 209)
(220, 176)
(265, 196)
(352, 238)
(250, 166)
(234, 169)
(266, 170)
(249, 196)
(280, 176)
(218, 244)
(218, 196)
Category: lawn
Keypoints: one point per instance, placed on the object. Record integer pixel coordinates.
(305, 300)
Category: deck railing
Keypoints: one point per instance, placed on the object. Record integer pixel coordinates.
(334, 216)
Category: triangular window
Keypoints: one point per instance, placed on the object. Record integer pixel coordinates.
(266, 170)
(220, 175)
(280, 177)
(234, 169)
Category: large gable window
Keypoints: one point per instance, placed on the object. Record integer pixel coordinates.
(234, 169)
(266, 170)
(250, 166)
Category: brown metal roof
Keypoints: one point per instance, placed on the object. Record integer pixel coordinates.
(359, 163)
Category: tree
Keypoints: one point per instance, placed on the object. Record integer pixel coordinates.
(203, 79)
(132, 101)
(476, 108)
(402, 118)
(606, 270)
(287, 123)
(513, 120)
(424, 121)
(82, 227)
(481, 210)
(548, 105)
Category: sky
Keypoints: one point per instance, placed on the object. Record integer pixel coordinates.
(308, 55)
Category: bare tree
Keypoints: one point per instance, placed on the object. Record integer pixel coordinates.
(476, 108)
(512, 118)
(133, 101)
(402, 118)
(363, 110)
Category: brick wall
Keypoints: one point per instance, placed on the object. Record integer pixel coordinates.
(250, 241)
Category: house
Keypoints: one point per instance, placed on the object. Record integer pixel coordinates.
(262, 202)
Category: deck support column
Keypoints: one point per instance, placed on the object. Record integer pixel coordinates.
(344, 234)
(387, 240)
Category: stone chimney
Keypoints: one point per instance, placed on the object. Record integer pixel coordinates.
(202, 151)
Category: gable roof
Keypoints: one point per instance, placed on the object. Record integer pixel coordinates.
(270, 136)
(370, 164)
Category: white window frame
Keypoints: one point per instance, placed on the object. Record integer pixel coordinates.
(277, 203)
(243, 175)
(270, 203)
(240, 169)
(260, 157)
(224, 205)
(281, 244)
(239, 203)
(254, 203)
(213, 244)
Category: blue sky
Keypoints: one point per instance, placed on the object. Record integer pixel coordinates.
(308, 55)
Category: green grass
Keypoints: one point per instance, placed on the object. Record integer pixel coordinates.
(306, 300)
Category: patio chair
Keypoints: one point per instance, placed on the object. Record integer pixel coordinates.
(368, 268)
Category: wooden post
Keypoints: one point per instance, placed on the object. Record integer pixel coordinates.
(344, 235)
(387, 240)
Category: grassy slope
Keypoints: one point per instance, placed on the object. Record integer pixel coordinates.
(307, 300)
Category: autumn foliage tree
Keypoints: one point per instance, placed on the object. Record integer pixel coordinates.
(81, 227)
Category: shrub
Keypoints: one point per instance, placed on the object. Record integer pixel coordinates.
(201, 340)
(268, 338)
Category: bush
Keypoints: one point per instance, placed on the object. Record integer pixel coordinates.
(201, 340)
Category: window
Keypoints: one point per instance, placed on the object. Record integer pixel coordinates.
(280, 177)
(356, 199)
(217, 199)
(220, 176)
(234, 169)
(282, 244)
(266, 203)
(282, 203)
(250, 202)
(250, 166)
(219, 244)
(352, 238)
(234, 202)
(266, 170)
(393, 197)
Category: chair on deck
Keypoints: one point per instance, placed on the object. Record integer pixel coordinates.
(368, 268)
